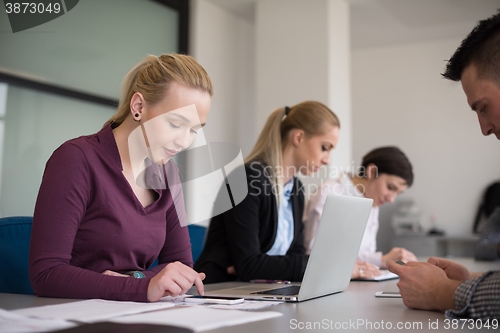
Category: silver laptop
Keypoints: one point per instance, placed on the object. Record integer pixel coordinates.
(332, 258)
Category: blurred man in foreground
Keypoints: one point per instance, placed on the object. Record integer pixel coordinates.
(441, 284)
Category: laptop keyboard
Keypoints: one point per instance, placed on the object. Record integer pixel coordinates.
(287, 291)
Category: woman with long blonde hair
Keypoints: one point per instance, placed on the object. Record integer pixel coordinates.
(99, 225)
(262, 237)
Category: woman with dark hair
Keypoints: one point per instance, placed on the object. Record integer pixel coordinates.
(384, 173)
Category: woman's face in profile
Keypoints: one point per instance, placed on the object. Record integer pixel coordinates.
(172, 124)
(384, 188)
(314, 152)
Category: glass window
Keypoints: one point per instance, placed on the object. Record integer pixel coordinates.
(35, 124)
(89, 49)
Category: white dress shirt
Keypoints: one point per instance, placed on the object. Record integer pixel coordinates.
(284, 234)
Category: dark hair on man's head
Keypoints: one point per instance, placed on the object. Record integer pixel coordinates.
(482, 48)
(391, 161)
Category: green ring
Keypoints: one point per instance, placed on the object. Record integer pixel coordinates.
(139, 275)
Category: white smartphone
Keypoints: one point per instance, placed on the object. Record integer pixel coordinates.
(214, 299)
(388, 294)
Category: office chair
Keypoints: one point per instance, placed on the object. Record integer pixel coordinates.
(15, 233)
(197, 237)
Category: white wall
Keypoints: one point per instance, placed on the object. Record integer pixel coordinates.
(223, 43)
(292, 54)
(292, 51)
(303, 53)
(339, 81)
(400, 98)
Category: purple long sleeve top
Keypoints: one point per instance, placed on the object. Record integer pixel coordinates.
(87, 220)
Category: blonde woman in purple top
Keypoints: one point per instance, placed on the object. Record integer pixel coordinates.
(98, 217)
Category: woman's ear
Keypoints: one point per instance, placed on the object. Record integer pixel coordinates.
(137, 105)
(372, 171)
(297, 137)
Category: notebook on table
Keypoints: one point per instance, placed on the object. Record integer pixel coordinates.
(332, 258)
(386, 275)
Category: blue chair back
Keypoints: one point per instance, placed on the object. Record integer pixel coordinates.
(197, 236)
(15, 233)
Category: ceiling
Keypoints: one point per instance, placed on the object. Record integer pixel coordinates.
(386, 22)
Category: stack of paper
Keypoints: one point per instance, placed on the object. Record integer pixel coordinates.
(197, 318)
(15, 323)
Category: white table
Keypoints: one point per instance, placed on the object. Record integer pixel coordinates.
(355, 309)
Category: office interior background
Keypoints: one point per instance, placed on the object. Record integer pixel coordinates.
(375, 63)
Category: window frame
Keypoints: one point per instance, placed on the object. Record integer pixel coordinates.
(181, 6)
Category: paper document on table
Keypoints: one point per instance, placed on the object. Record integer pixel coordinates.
(16, 323)
(386, 275)
(198, 318)
(91, 310)
(175, 299)
(246, 305)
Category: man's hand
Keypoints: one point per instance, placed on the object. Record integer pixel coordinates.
(397, 253)
(453, 270)
(174, 280)
(425, 286)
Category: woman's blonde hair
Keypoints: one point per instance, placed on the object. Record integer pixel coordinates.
(152, 76)
(309, 116)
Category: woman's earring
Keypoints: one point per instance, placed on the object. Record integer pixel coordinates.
(136, 116)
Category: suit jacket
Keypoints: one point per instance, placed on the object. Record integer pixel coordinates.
(241, 236)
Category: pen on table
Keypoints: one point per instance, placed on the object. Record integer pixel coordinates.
(270, 281)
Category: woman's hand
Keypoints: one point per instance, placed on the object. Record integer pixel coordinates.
(111, 273)
(174, 280)
(397, 254)
(363, 269)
